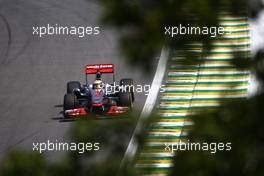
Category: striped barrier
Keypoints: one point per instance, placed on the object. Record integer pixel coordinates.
(193, 89)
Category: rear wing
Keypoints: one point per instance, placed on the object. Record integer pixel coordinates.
(99, 68)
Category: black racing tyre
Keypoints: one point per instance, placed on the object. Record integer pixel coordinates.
(125, 99)
(128, 82)
(70, 101)
(73, 85)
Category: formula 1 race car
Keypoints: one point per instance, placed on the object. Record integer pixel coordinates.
(99, 97)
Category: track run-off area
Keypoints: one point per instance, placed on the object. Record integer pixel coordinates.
(191, 89)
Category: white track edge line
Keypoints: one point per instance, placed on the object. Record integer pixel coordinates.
(149, 104)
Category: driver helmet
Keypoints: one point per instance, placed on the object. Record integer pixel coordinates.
(98, 85)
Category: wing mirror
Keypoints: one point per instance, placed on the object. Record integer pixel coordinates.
(77, 92)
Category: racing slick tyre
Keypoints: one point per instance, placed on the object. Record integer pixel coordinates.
(125, 99)
(73, 85)
(128, 82)
(70, 101)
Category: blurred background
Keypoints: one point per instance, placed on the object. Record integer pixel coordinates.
(33, 73)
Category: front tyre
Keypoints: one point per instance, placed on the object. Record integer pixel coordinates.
(125, 99)
(130, 86)
(70, 102)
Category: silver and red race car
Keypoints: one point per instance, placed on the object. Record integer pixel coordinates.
(98, 97)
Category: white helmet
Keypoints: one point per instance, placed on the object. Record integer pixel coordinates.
(98, 84)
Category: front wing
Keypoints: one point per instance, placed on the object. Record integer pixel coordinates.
(82, 112)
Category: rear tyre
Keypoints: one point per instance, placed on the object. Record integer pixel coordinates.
(70, 101)
(73, 85)
(125, 99)
(129, 82)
